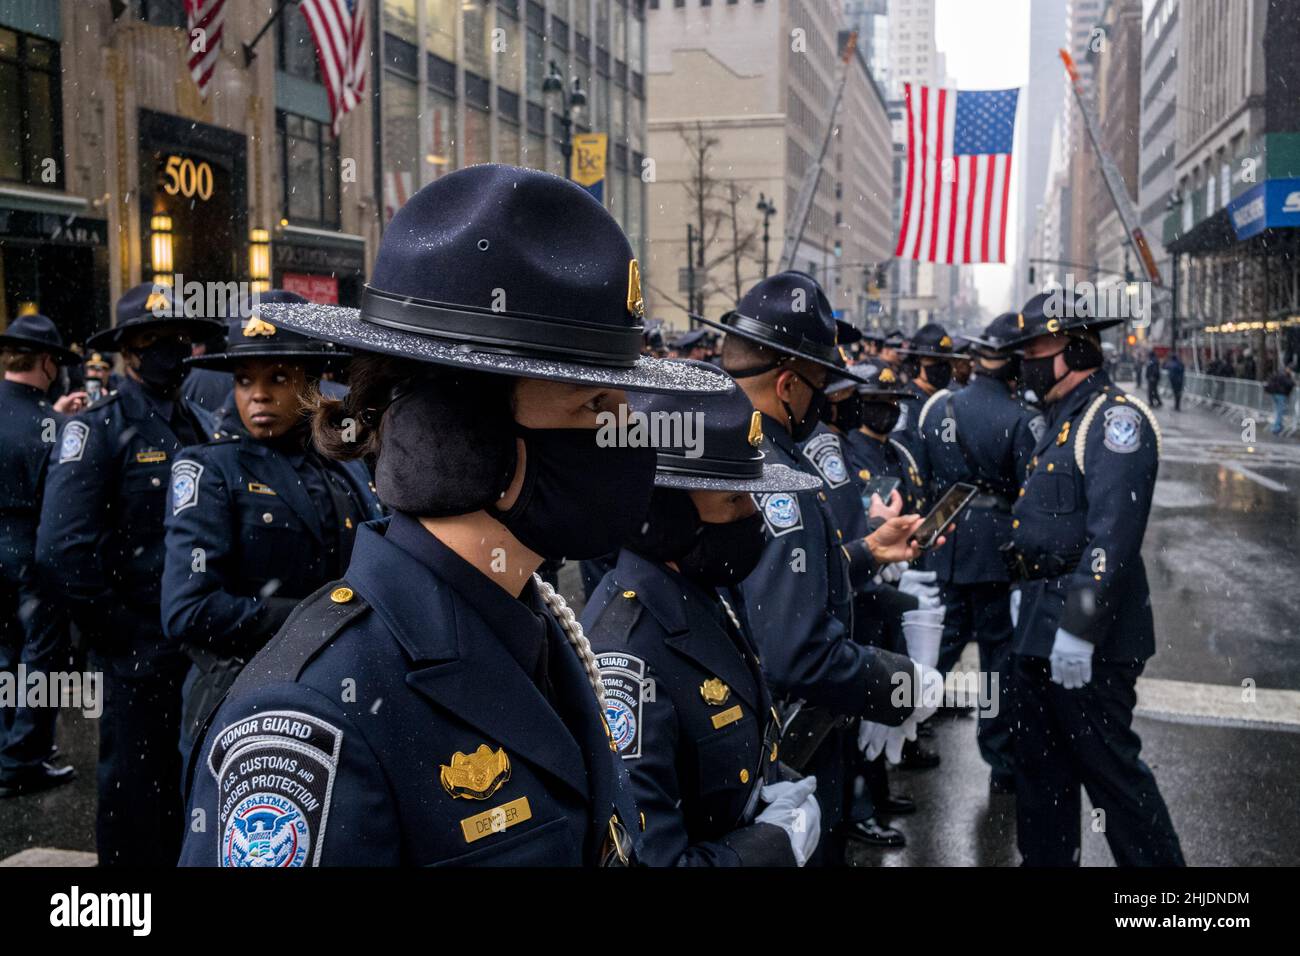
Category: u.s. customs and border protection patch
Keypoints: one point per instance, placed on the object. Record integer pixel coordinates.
(828, 458)
(624, 679)
(781, 512)
(73, 444)
(185, 484)
(1122, 430)
(275, 776)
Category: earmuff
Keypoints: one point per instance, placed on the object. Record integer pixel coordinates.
(1082, 353)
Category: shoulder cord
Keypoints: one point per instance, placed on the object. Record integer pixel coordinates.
(911, 462)
(731, 614)
(1081, 435)
(929, 403)
(573, 631)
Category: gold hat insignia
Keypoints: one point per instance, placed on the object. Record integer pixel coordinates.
(756, 429)
(256, 327)
(475, 776)
(887, 376)
(945, 343)
(635, 304)
(155, 302)
(715, 692)
(1020, 320)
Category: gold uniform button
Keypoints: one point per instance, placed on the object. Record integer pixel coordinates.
(629, 594)
(821, 496)
(1015, 523)
(155, 482)
(341, 595)
(1022, 492)
(266, 517)
(347, 523)
(839, 534)
(1051, 466)
(772, 756)
(744, 776)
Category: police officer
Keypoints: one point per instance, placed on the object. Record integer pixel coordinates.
(258, 518)
(33, 628)
(696, 344)
(99, 376)
(981, 435)
(962, 365)
(444, 701)
(209, 386)
(1084, 630)
(890, 344)
(873, 448)
(927, 359)
(780, 348)
(690, 712)
(100, 544)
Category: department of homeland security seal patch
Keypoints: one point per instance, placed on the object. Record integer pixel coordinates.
(781, 512)
(73, 445)
(185, 484)
(265, 830)
(1123, 429)
(825, 453)
(624, 679)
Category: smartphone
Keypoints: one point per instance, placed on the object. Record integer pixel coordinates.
(883, 486)
(943, 514)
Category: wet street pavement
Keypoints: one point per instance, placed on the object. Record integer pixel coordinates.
(1222, 558)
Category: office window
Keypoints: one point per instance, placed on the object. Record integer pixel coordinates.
(440, 27)
(478, 148)
(634, 27)
(399, 18)
(31, 117)
(536, 54)
(309, 171)
(163, 13)
(478, 39)
(582, 18)
(508, 143)
(440, 156)
(296, 50)
(510, 62)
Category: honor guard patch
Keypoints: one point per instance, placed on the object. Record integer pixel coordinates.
(1123, 429)
(828, 458)
(185, 484)
(623, 677)
(73, 445)
(781, 512)
(275, 775)
(1038, 428)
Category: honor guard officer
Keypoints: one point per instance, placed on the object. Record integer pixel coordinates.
(690, 712)
(780, 348)
(100, 545)
(927, 358)
(1085, 629)
(444, 700)
(258, 519)
(890, 344)
(963, 348)
(874, 451)
(33, 628)
(981, 435)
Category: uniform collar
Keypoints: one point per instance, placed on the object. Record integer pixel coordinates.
(779, 436)
(1070, 405)
(657, 587)
(24, 390)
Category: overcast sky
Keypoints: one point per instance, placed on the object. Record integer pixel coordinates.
(987, 46)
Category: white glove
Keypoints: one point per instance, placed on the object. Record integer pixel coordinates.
(919, 584)
(929, 698)
(894, 739)
(923, 632)
(871, 738)
(1015, 607)
(792, 806)
(1071, 660)
(891, 572)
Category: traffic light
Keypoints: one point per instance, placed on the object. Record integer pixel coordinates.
(1132, 340)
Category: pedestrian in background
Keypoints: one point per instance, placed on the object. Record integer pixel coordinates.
(1176, 373)
(1153, 380)
(1280, 387)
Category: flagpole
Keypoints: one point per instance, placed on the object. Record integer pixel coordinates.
(376, 100)
(248, 47)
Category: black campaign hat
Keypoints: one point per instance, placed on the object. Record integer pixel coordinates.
(151, 304)
(998, 335)
(1044, 314)
(892, 339)
(254, 337)
(506, 270)
(788, 313)
(930, 341)
(730, 446)
(882, 381)
(36, 333)
(688, 340)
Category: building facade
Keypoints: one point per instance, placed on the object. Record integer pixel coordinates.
(1158, 145)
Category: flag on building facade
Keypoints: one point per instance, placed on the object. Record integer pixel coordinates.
(339, 29)
(958, 181)
(208, 16)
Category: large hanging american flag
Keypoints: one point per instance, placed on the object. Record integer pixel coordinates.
(210, 17)
(339, 29)
(958, 174)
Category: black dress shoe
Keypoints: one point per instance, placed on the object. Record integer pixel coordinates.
(896, 805)
(44, 777)
(916, 757)
(872, 832)
(1002, 785)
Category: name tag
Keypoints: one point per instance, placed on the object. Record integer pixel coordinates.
(150, 457)
(257, 488)
(728, 716)
(497, 820)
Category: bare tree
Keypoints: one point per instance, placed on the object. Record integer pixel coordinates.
(720, 234)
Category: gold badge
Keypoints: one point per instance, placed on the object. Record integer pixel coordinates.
(150, 457)
(257, 488)
(887, 376)
(1020, 320)
(756, 429)
(497, 820)
(1064, 434)
(1053, 325)
(476, 776)
(635, 304)
(157, 303)
(256, 327)
(729, 716)
(945, 343)
(714, 692)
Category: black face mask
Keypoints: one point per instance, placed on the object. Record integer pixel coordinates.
(845, 414)
(162, 365)
(1008, 370)
(938, 375)
(880, 417)
(725, 554)
(802, 429)
(578, 500)
(1038, 375)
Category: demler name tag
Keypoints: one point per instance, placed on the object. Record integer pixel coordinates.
(497, 820)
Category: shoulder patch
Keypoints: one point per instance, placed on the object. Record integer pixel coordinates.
(1038, 428)
(185, 484)
(624, 679)
(827, 457)
(1122, 430)
(781, 512)
(275, 777)
(73, 444)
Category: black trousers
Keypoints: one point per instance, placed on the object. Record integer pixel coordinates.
(1067, 738)
(33, 633)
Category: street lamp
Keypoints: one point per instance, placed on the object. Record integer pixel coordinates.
(768, 208)
(570, 102)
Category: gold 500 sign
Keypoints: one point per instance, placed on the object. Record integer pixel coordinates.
(184, 177)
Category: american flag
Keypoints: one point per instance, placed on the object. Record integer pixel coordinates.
(210, 17)
(339, 29)
(958, 174)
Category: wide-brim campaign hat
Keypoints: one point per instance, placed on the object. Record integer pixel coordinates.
(787, 313)
(255, 338)
(882, 381)
(730, 444)
(37, 333)
(150, 304)
(505, 270)
(996, 338)
(930, 341)
(1033, 321)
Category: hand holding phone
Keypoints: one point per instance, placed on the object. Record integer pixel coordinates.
(944, 513)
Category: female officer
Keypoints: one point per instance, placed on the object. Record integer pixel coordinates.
(686, 701)
(258, 519)
(873, 450)
(440, 705)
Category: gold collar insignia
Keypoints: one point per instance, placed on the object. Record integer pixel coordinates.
(476, 776)
(715, 692)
